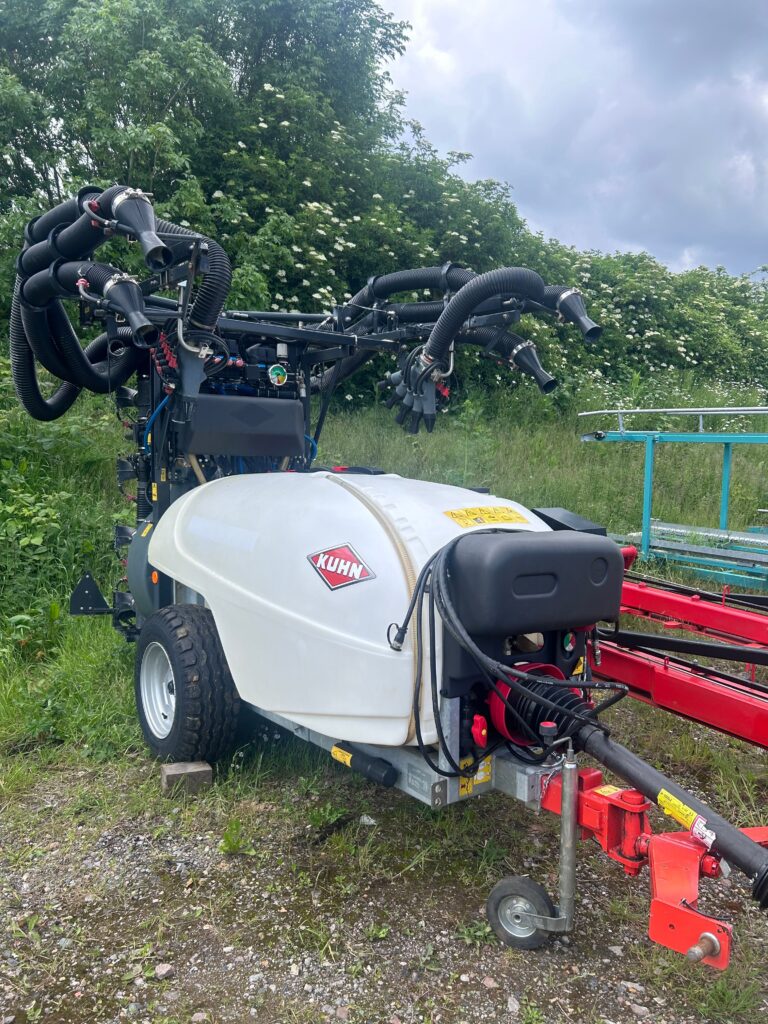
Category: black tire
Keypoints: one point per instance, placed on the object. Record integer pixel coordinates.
(507, 905)
(203, 708)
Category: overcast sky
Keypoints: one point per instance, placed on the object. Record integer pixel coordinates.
(621, 124)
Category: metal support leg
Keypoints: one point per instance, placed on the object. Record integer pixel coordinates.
(645, 542)
(568, 838)
(569, 828)
(726, 485)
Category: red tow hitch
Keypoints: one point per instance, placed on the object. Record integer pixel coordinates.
(618, 820)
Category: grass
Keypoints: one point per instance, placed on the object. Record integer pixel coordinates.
(538, 460)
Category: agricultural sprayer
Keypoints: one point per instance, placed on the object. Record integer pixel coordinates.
(431, 637)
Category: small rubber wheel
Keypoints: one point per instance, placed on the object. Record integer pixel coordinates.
(508, 908)
(186, 700)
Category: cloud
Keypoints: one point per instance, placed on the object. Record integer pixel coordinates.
(621, 124)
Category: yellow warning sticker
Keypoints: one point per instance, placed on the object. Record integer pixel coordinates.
(483, 771)
(578, 668)
(483, 774)
(484, 515)
(344, 756)
(606, 790)
(154, 491)
(146, 529)
(682, 813)
(163, 475)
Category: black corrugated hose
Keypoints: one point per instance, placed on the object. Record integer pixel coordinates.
(215, 287)
(518, 281)
(55, 258)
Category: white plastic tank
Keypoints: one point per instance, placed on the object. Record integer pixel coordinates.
(304, 574)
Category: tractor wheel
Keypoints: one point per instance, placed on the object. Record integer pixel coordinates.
(510, 904)
(187, 702)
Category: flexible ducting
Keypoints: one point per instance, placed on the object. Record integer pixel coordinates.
(56, 263)
(519, 351)
(445, 278)
(112, 370)
(516, 281)
(218, 279)
(77, 240)
(52, 263)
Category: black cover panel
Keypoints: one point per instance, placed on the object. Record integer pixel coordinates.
(241, 425)
(516, 582)
(563, 519)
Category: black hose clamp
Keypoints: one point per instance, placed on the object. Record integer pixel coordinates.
(30, 305)
(53, 234)
(28, 230)
(370, 289)
(87, 190)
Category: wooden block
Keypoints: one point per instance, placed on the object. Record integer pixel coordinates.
(185, 777)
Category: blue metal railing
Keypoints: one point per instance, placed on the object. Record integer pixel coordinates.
(651, 438)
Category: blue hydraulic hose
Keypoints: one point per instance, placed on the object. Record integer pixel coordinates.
(151, 420)
(312, 447)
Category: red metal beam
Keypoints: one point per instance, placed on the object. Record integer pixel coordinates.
(690, 610)
(726, 706)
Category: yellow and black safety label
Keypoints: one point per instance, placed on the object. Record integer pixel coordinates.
(485, 515)
(675, 808)
(606, 790)
(483, 774)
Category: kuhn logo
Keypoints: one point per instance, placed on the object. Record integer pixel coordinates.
(341, 566)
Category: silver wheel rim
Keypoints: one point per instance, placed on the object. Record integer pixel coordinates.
(158, 690)
(514, 914)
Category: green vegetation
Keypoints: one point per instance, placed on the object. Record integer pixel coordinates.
(234, 842)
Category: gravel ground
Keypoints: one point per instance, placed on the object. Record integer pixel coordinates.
(344, 902)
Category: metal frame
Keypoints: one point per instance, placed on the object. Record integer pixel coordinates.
(415, 777)
(707, 694)
(706, 562)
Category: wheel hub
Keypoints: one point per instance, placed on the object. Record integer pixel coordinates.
(515, 916)
(158, 690)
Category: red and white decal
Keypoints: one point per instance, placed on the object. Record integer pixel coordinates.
(340, 566)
